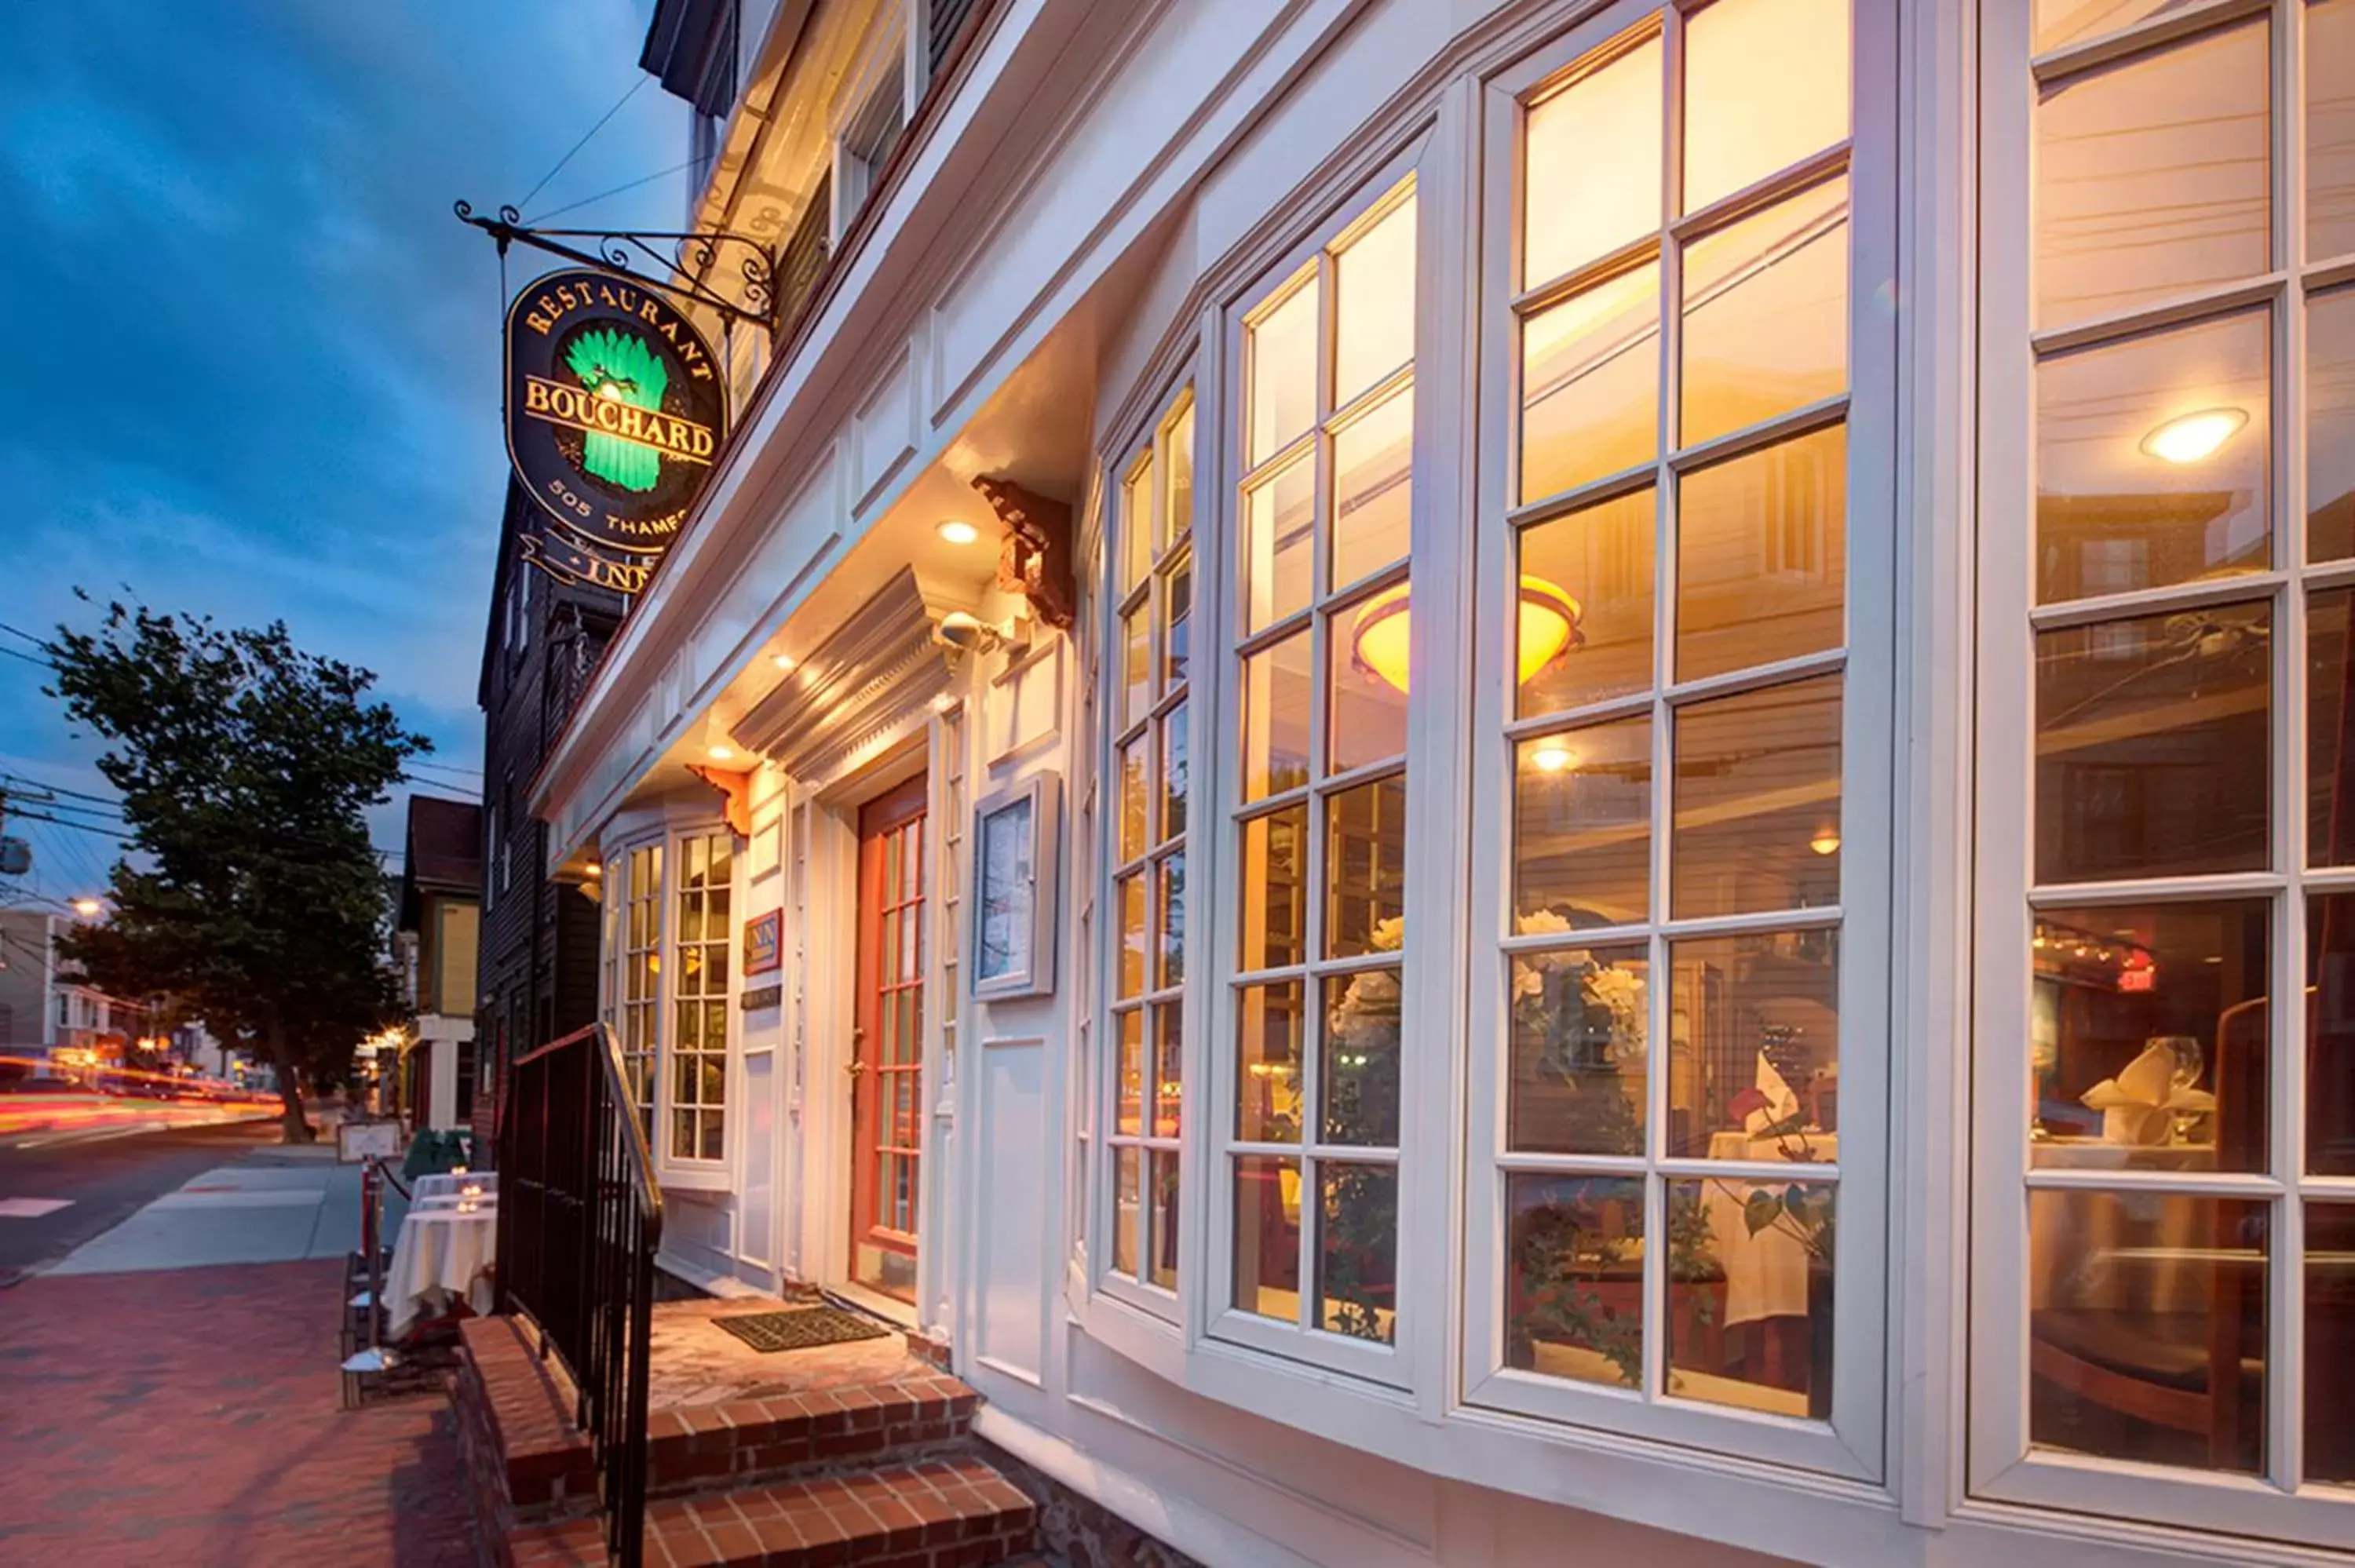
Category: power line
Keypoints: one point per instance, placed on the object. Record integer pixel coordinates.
(618, 190)
(641, 79)
(16, 631)
(27, 658)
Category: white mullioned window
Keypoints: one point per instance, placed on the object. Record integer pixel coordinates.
(701, 942)
(637, 1021)
(1313, 783)
(2163, 1264)
(1681, 759)
(1145, 820)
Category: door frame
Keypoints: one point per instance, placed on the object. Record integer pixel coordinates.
(823, 1122)
(904, 805)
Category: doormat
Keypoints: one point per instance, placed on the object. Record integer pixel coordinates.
(802, 1329)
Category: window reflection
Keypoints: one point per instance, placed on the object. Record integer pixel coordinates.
(1766, 84)
(2153, 460)
(1591, 383)
(2329, 129)
(1757, 801)
(2149, 1035)
(1374, 300)
(1602, 557)
(1283, 355)
(2154, 177)
(1275, 699)
(1765, 303)
(2153, 737)
(2146, 1327)
(1277, 513)
(1576, 207)
(1583, 827)
(1761, 556)
(1372, 465)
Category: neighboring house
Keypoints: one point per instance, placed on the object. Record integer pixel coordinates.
(48, 1021)
(537, 968)
(435, 940)
(1807, 1013)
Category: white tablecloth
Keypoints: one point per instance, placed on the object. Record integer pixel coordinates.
(442, 1255)
(448, 1186)
(1766, 1274)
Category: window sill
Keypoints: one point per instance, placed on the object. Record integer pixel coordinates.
(705, 1178)
(1127, 1331)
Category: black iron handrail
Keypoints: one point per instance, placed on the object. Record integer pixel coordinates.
(580, 1222)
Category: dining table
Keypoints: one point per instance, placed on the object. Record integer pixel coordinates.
(443, 1256)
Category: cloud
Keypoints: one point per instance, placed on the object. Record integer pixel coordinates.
(251, 364)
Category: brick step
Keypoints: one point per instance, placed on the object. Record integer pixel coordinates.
(782, 1436)
(934, 1513)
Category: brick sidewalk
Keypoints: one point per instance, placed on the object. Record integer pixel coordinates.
(188, 1416)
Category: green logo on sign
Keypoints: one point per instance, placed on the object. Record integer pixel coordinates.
(620, 368)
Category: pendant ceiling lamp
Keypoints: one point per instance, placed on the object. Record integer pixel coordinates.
(1548, 629)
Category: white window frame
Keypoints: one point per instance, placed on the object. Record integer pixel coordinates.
(671, 1166)
(2002, 1465)
(1426, 963)
(1852, 1444)
(1096, 1133)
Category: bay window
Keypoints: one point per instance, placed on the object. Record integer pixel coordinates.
(1146, 822)
(1679, 839)
(1313, 1002)
(2164, 1267)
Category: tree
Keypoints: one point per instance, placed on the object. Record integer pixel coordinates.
(246, 767)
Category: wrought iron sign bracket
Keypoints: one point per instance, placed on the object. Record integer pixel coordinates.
(687, 257)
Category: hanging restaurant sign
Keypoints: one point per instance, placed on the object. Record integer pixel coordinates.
(615, 410)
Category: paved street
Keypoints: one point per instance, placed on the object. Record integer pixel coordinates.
(162, 1400)
(58, 1191)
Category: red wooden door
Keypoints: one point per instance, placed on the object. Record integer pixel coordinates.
(887, 1048)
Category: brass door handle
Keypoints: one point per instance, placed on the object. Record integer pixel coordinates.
(854, 1067)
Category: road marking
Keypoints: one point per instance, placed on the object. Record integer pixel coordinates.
(31, 1208)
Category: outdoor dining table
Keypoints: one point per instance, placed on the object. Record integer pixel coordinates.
(444, 1255)
(454, 1184)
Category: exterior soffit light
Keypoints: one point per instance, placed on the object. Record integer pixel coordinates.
(957, 530)
(721, 753)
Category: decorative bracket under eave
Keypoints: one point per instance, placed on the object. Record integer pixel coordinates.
(1036, 559)
(737, 789)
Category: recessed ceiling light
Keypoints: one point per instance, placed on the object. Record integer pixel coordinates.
(722, 753)
(1551, 757)
(2188, 437)
(781, 661)
(957, 530)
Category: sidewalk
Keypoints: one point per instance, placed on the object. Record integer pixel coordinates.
(276, 1205)
(169, 1393)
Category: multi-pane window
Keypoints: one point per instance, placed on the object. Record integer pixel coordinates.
(1321, 672)
(639, 1013)
(699, 1042)
(2168, 767)
(1658, 982)
(1153, 547)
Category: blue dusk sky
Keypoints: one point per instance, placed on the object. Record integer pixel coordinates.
(252, 357)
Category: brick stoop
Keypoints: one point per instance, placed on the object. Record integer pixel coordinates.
(818, 1431)
(865, 1475)
(936, 1513)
